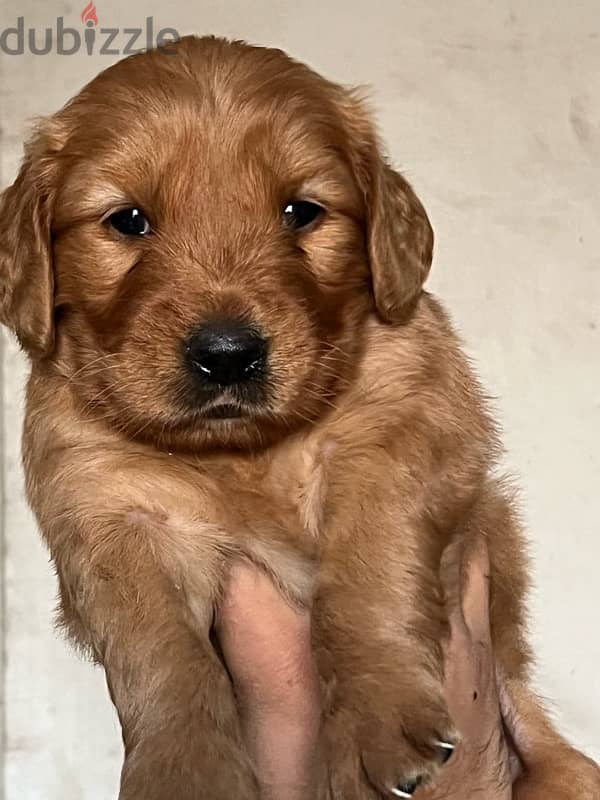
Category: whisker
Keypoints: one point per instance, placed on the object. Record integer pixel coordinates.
(90, 364)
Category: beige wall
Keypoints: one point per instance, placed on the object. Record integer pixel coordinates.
(492, 109)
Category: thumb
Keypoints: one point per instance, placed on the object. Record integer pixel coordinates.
(475, 581)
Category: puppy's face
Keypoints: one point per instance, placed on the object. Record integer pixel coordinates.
(196, 240)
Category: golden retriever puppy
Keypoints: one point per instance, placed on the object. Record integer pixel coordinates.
(218, 280)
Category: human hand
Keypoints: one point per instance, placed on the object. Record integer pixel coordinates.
(266, 644)
(482, 764)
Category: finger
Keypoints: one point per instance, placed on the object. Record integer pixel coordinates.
(451, 577)
(267, 647)
(469, 666)
(475, 583)
(265, 641)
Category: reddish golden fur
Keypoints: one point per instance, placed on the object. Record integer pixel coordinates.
(372, 453)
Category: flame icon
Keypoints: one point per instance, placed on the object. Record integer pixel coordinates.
(89, 14)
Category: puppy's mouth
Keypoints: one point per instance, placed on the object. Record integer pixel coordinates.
(229, 405)
(225, 411)
(235, 406)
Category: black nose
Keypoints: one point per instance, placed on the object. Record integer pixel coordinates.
(226, 353)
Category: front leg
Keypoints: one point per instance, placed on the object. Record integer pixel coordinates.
(137, 589)
(379, 621)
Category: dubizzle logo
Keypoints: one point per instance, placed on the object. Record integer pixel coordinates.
(65, 41)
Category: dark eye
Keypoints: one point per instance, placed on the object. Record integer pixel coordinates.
(299, 214)
(130, 222)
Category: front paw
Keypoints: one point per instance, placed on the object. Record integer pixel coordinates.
(378, 749)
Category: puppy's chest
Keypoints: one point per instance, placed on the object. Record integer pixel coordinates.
(300, 486)
(285, 491)
(300, 479)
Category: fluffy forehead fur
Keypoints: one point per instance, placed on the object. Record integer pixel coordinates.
(211, 142)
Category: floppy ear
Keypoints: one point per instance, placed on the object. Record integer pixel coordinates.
(400, 243)
(399, 235)
(26, 277)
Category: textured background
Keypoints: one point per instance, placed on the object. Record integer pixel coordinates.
(492, 109)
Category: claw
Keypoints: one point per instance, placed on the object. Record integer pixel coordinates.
(406, 789)
(447, 749)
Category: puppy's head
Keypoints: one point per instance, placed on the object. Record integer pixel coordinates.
(197, 239)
